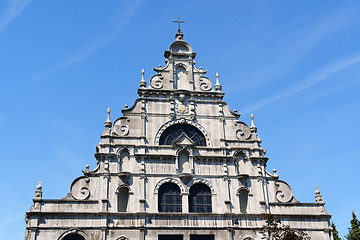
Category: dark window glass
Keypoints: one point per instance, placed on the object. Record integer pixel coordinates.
(200, 199)
(169, 198)
(123, 198)
(170, 237)
(202, 237)
(172, 133)
(74, 237)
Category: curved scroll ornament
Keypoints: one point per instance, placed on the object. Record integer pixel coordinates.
(122, 130)
(205, 83)
(283, 193)
(80, 188)
(156, 81)
(243, 132)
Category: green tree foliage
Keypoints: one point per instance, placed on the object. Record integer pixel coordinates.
(354, 231)
(274, 230)
(335, 232)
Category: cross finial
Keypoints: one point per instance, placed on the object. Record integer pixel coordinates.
(178, 21)
(39, 182)
(317, 188)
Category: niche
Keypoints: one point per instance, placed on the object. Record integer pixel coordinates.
(183, 161)
(124, 161)
(181, 78)
(241, 165)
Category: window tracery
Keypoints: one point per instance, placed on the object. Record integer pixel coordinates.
(169, 198)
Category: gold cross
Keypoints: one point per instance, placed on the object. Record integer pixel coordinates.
(178, 21)
(317, 187)
(39, 182)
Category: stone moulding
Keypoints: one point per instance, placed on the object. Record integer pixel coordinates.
(180, 121)
(72, 231)
(200, 180)
(171, 180)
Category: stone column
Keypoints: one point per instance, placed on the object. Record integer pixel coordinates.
(230, 233)
(185, 202)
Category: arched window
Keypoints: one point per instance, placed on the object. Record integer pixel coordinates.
(123, 199)
(200, 199)
(173, 132)
(243, 196)
(74, 236)
(169, 198)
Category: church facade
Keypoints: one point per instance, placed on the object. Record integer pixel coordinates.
(178, 165)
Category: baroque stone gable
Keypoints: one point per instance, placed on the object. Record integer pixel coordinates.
(178, 164)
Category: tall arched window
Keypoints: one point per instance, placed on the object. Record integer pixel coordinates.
(74, 236)
(169, 198)
(123, 199)
(200, 199)
(243, 197)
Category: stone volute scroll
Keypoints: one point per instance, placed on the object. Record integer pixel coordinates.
(283, 192)
(242, 130)
(80, 188)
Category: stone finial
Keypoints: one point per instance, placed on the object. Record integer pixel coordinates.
(318, 197)
(217, 85)
(275, 172)
(87, 168)
(253, 128)
(108, 122)
(38, 192)
(142, 82)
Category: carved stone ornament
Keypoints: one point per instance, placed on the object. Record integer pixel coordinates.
(200, 180)
(205, 83)
(182, 121)
(80, 188)
(122, 238)
(180, 48)
(156, 81)
(122, 130)
(73, 231)
(243, 131)
(171, 180)
(181, 108)
(284, 192)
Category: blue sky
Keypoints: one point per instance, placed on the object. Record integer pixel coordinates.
(294, 64)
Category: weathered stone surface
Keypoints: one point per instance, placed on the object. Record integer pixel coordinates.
(119, 198)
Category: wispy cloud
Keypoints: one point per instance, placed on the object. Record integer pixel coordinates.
(293, 46)
(120, 18)
(314, 78)
(12, 10)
